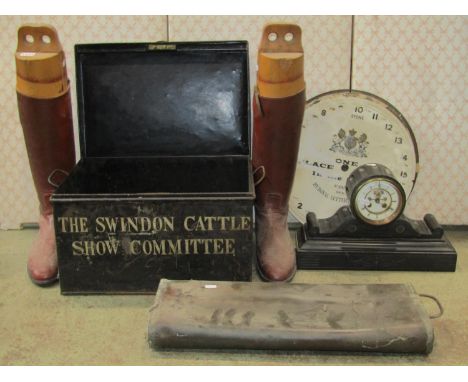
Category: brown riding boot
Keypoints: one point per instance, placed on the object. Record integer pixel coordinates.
(278, 111)
(44, 107)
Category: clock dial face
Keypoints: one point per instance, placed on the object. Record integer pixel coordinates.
(378, 201)
(343, 130)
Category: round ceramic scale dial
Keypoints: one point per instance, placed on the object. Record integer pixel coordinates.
(375, 196)
(342, 130)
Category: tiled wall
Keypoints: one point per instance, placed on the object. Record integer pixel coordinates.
(417, 63)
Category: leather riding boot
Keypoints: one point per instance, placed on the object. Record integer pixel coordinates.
(44, 107)
(278, 111)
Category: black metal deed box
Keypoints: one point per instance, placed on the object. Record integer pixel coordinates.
(164, 186)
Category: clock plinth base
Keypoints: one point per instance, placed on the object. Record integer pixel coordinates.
(343, 242)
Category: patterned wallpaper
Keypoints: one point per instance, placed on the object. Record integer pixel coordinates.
(417, 63)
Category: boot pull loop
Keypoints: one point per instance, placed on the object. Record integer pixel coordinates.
(258, 102)
(258, 181)
(57, 170)
(439, 305)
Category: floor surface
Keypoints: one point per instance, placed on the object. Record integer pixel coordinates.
(38, 326)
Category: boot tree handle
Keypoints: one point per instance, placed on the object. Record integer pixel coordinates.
(38, 39)
(439, 305)
(284, 38)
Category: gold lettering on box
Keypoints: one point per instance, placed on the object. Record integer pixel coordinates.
(163, 247)
(73, 224)
(93, 248)
(136, 224)
(152, 232)
(217, 223)
(245, 223)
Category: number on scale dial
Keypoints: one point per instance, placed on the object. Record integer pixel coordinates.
(343, 130)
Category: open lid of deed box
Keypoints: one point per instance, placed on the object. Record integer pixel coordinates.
(162, 119)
